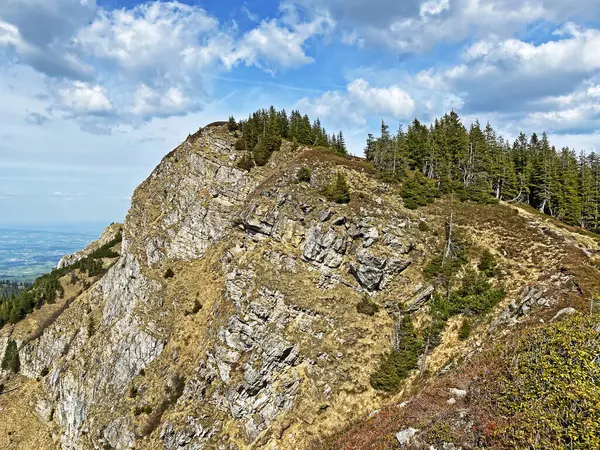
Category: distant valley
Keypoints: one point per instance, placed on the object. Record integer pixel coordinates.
(26, 254)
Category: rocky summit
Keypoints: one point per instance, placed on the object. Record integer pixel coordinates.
(243, 309)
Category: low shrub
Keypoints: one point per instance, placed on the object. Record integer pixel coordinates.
(11, 361)
(418, 191)
(487, 264)
(547, 390)
(245, 163)
(303, 175)
(465, 330)
(367, 307)
(395, 366)
(338, 191)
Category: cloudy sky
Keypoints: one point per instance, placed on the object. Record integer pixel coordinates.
(94, 92)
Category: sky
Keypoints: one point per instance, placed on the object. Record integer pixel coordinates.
(93, 93)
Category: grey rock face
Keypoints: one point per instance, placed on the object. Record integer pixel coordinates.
(371, 235)
(119, 435)
(371, 270)
(195, 192)
(564, 313)
(324, 247)
(325, 215)
(188, 437)
(420, 298)
(252, 332)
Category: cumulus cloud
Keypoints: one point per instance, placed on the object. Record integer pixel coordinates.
(576, 52)
(84, 98)
(360, 100)
(550, 80)
(129, 65)
(414, 26)
(39, 32)
(150, 37)
(278, 44)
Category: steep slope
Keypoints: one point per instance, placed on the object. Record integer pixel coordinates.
(230, 319)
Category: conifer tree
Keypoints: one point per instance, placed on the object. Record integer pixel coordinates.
(341, 144)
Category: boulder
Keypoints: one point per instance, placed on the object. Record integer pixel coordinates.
(406, 436)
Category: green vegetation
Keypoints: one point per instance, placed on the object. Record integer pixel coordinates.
(487, 264)
(547, 390)
(47, 288)
(423, 226)
(10, 361)
(338, 191)
(395, 366)
(264, 131)
(145, 409)
(465, 330)
(245, 163)
(475, 297)
(480, 166)
(367, 307)
(133, 392)
(8, 288)
(418, 191)
(460, 290)
(303, 175)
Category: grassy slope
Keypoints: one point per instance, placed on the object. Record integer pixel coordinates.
(530, 247)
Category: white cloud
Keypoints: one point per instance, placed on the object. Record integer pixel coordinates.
(359, 100)
(83, 98)
(150, 36)
(414, 26)
(40, 33)
(576, 52)
(278, 44)
(433, 7)
(9, 34)
(392, 100)
(129, 65)
(149, 103)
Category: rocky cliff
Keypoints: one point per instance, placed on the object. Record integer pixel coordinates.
(230, 318)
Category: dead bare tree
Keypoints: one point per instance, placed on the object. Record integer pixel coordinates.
(448, 248)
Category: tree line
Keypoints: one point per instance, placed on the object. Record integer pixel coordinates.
(263, 131)
(480, 165)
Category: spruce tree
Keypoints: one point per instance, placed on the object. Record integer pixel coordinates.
(341, 144)
(10, 361)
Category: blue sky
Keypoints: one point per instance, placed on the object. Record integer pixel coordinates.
(94, 92)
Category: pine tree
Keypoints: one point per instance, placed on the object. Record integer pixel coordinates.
(304, 131)
(232, 124)
(10, 361)
(284, 124)
(370, 148)
(341, 144)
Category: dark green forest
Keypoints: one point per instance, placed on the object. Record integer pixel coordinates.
(8, 288)
(477, 164)
(262, 133)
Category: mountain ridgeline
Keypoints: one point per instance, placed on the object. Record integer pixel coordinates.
(269, 291)
(475, 163)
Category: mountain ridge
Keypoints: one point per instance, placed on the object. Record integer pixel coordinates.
(229, 317)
